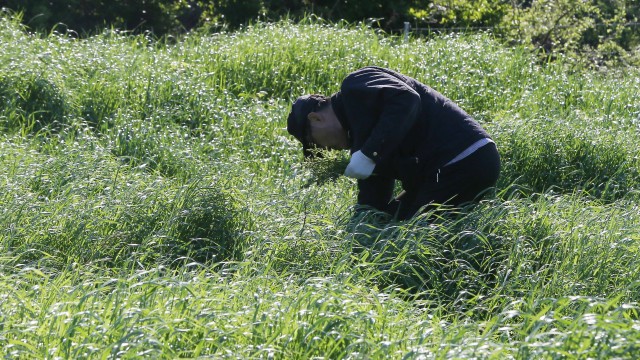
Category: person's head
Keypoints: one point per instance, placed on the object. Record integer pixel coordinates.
(314, 123)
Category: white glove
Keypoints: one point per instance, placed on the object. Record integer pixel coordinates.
(360, 166)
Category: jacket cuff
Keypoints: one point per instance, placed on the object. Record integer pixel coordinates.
(371, 153)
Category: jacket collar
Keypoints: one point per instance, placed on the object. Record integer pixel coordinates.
(338, 107)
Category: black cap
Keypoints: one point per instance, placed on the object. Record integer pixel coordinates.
(297, 122)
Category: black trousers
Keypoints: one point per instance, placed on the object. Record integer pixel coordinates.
(454, 185)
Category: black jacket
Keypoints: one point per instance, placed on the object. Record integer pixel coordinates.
(406, 127)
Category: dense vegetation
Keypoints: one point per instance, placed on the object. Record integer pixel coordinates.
(153, 205)
(594, 32)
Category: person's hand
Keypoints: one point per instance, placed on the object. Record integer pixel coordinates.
(360, 167)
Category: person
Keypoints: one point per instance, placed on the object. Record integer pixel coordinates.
(398, 128)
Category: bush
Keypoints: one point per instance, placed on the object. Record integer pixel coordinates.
(599, 32)
(596, 32)
(460, 13)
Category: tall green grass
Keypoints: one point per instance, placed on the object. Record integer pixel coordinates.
(153, 205)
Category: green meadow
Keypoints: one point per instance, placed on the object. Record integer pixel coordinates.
(153, 205)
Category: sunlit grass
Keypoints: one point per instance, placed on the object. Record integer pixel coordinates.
(153, 205)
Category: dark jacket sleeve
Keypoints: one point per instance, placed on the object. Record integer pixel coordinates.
(382, 110)
(376, 191)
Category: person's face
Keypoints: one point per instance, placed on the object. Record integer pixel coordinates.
(326, 132)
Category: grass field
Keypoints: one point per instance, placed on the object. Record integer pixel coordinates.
(153, 205)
